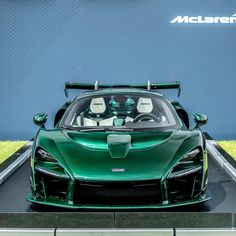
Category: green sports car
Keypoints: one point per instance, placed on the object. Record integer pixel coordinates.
(119, 147)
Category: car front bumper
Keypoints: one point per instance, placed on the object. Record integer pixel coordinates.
(52, 202)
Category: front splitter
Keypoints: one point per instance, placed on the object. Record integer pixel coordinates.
(200, 199)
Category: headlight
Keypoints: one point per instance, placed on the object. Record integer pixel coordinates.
(43, 155)
(46, 164)
(191, 157)
(189, 164)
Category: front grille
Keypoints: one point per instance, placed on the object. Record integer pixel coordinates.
(185, 188)
(52, 187)
(117, 193)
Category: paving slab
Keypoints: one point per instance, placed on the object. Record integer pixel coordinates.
(26, 232)
(55, 220)
(115, 232)
(170, 219)
(205, 232)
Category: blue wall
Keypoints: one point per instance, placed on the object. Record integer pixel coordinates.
(45, 43)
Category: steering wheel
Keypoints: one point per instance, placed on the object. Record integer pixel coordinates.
(142, 117)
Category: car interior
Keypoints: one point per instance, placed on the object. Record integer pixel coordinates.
(118, 110)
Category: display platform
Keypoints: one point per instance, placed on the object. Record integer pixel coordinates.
(218, 212)
(14, 190)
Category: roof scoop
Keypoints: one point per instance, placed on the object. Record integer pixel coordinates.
(118, 145)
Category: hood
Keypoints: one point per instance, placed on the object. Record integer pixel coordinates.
(119, 156)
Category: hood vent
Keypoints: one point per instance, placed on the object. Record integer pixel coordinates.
(118, 145)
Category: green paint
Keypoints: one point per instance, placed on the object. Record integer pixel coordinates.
(40, 119)
(136, 156)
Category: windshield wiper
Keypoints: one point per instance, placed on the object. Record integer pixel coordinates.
(92, 129)
(88, 129)
(96, 129)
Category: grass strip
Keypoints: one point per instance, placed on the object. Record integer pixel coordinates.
(229, 146)
(7, 148)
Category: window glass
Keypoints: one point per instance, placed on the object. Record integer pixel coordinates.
(123, 110)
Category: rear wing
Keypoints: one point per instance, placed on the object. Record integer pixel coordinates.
(97, 86)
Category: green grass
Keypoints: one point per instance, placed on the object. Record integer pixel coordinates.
(229, 146)
(7, 148)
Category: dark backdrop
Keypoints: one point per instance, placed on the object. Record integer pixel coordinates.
(45, 43)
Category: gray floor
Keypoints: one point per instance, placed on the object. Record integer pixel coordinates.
(13, 193)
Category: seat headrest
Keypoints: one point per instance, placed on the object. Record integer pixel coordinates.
(97, 105)
(144, 105)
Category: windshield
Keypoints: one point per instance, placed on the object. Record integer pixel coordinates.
(121, 111)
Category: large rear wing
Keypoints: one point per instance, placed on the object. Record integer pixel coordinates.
(97, 86)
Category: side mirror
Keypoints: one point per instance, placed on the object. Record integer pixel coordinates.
(40, 119)
(200, 119)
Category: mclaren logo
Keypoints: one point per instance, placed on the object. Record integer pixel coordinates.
(118, 170)
(204, 20)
